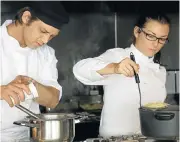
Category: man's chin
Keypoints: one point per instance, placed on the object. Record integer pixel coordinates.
(33, 47)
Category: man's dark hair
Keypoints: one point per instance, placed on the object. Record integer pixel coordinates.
(18, 16)
(50, 12)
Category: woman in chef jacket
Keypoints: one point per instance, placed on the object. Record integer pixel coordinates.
(114, 70)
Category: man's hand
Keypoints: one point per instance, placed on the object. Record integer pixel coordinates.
(23, 79)
(14, 90)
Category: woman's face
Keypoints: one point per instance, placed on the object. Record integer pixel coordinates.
(146, 38)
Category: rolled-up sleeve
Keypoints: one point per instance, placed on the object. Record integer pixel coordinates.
(86, 70)
(49, 73)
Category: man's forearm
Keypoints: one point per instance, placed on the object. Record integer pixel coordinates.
(109, 69)
(48, 96)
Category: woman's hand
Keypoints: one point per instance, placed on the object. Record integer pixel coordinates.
(126, 67)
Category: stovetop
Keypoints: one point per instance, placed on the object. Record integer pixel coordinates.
(132, 138)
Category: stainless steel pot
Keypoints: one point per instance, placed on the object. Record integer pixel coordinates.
(160, 123)
(52, 126)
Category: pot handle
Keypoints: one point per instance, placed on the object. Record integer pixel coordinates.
(79, 120)
(164, 116)
(26, 123)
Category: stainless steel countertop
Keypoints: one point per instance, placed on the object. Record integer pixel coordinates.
(32, 140)
(145, 140)
(101, 140)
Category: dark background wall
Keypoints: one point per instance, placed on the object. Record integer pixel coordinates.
(91, 32)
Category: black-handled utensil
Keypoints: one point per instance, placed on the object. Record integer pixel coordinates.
(136, 76)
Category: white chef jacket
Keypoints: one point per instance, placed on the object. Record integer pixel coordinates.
(40, 64)
(120, 115)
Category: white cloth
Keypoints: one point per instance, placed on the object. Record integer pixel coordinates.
(40, 64)
(120, 115)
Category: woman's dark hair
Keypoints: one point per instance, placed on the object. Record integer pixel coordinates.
(157, 58)
(18, 16)
(144, 19)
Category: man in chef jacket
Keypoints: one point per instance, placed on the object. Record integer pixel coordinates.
(25, 58)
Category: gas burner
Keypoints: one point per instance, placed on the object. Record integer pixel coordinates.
(123, 138)
(126, 137)
(130, 138)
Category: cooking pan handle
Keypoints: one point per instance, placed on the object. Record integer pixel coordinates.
(164, 116)
(25, 110)
(26, 123)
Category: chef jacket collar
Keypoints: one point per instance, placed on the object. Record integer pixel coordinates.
(10, 42)
(140, 57)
